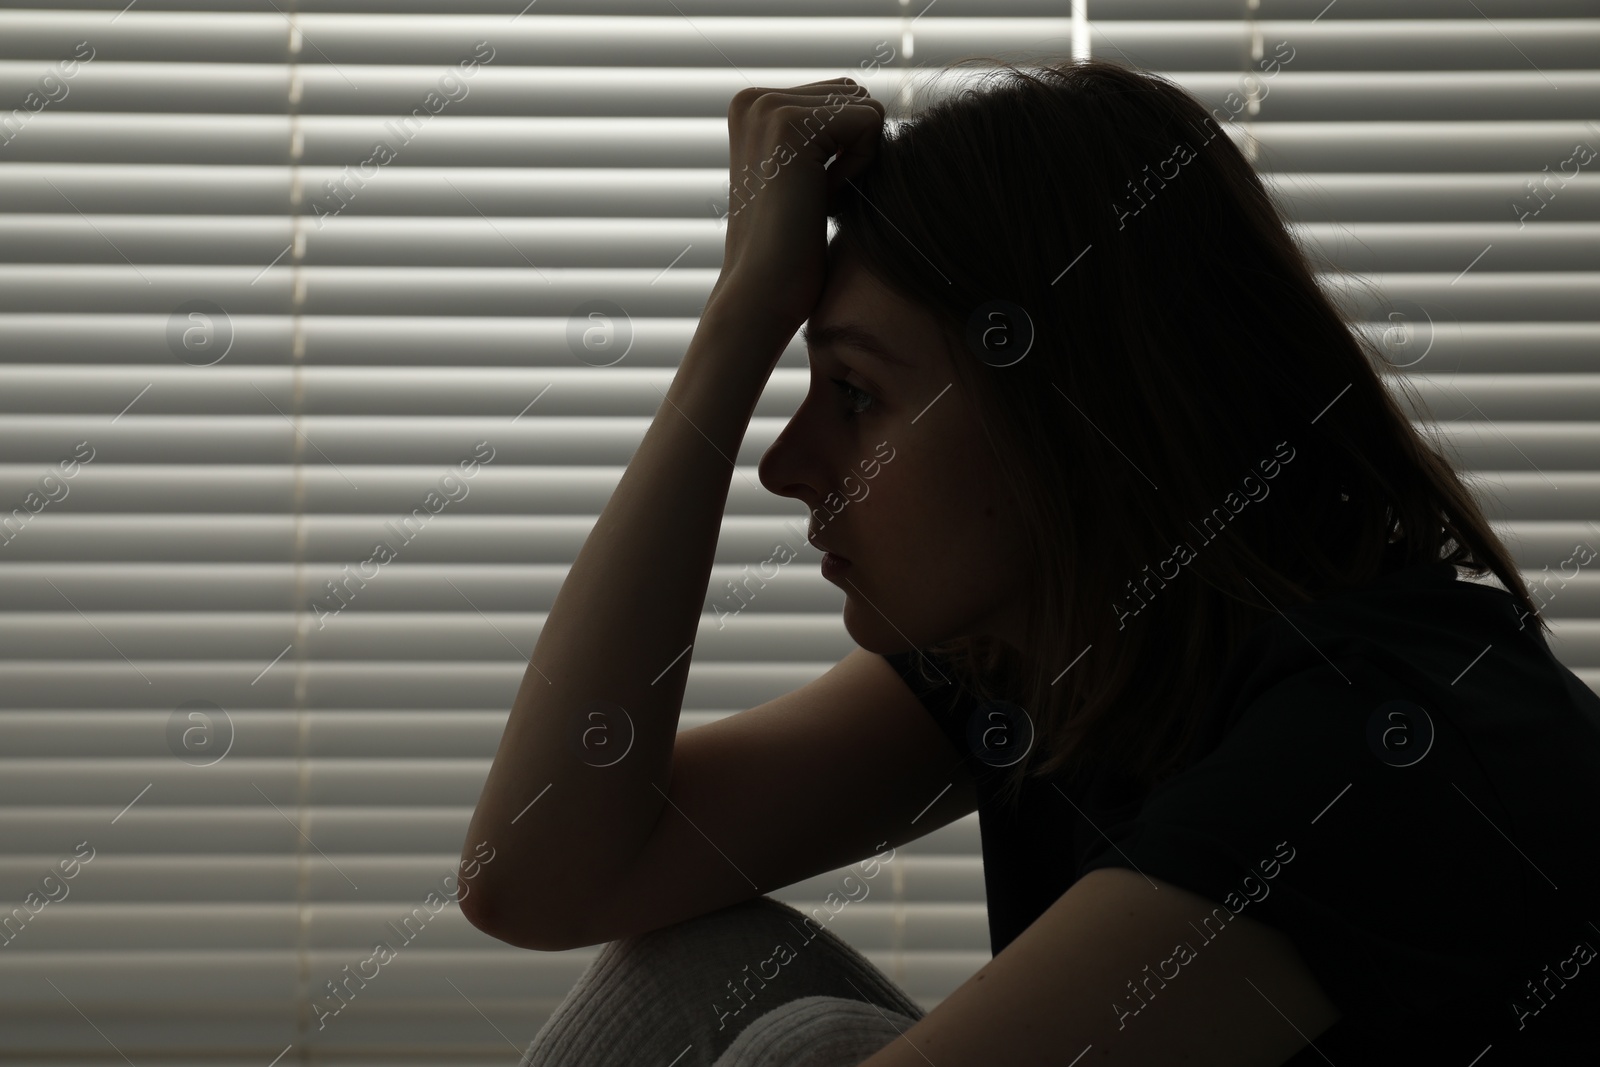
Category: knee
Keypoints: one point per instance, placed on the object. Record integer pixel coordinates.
(816, 1031)
(743, 927)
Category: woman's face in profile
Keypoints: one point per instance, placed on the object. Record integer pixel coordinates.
(897, 475)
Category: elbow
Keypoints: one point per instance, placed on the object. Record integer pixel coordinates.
(503, 926)
(472, 885)
(489, 919)
(471, 903)
(495, 898)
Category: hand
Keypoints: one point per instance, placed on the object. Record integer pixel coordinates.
(779, 141)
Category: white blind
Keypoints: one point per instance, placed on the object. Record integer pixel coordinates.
(240, 350)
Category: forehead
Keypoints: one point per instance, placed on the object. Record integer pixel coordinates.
(857, 337)
(858, 315)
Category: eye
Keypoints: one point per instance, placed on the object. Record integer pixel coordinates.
(850, 392)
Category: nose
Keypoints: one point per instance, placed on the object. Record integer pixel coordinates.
(799, 463)
(780, 465)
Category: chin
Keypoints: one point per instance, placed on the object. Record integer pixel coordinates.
(868, 628)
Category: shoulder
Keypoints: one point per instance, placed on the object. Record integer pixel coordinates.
(1360, 807)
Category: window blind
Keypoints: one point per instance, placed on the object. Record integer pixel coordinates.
(328, 327)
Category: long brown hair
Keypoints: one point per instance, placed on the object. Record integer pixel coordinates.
(1182, 353)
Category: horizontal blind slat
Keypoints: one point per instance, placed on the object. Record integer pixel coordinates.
(477, 194)
(673, 40)
(120, 340)
(56, 136)
(1119, 9)
(704, 90)
(443, 243)
(41, 391)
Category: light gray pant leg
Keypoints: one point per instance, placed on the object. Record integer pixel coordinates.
(681, 995)
(817, 1032)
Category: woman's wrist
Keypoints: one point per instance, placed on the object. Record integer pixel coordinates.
(732, 354)
(737, 313)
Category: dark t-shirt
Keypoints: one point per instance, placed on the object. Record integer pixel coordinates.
(1399, 778)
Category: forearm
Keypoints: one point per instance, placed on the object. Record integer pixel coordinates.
(563, 807)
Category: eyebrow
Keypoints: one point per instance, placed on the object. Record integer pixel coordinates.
(850, 335)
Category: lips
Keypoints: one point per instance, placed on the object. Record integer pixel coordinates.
(820, 547)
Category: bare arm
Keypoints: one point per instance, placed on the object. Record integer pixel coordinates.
(619, 634)
(563, 810)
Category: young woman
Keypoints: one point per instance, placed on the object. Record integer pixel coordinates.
(1145, 565)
